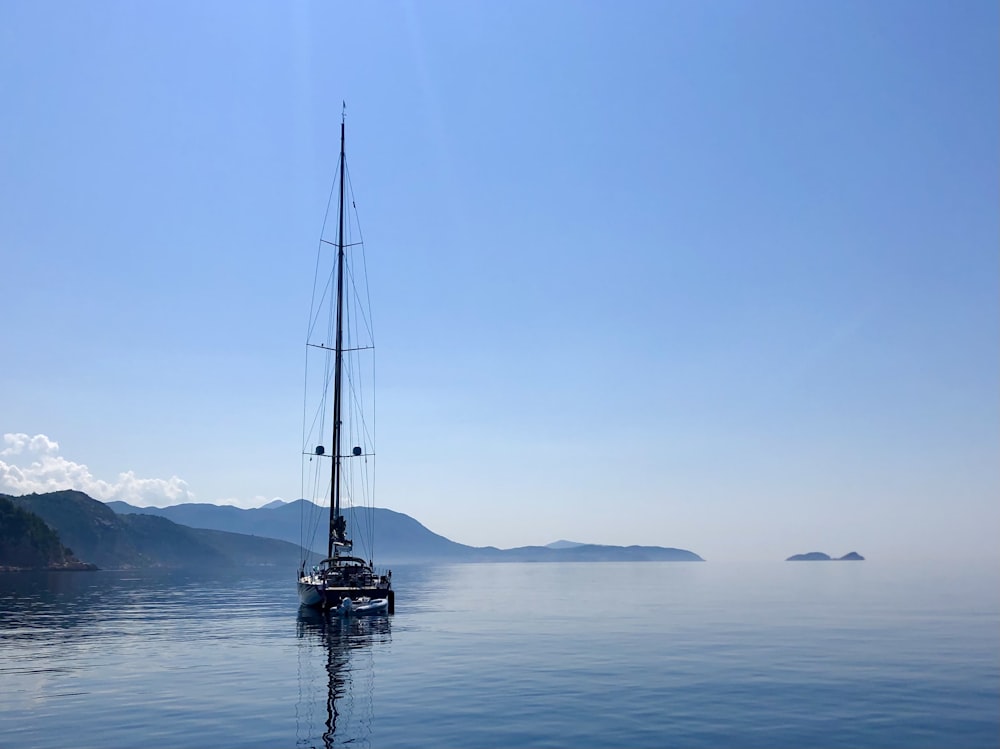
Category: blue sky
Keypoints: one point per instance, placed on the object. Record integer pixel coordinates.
(721, 276)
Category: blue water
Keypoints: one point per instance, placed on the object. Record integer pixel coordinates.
(655, 654)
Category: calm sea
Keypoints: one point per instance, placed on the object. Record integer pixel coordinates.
(657, 654)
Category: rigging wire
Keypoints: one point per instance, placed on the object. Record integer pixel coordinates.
(357, 475)
(369, 323)
(316, 306)
(365, 429)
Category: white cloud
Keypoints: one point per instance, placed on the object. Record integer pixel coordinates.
(36, 466)
(20, 443)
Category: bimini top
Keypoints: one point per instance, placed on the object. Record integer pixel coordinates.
(352, 560)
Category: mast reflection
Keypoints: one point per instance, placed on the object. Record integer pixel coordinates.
(349, 676)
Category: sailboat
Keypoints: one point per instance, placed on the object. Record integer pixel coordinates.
(339, 336)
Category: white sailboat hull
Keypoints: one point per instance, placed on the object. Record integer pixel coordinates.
(316, 594)
(310, 595)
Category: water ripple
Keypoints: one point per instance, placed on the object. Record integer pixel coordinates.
(507, 655)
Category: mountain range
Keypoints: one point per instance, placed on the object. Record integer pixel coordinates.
(34, 529)
(397, 537)
(101, 537)
(27, 542)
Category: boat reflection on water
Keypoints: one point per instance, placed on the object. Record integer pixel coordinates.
(344, 679)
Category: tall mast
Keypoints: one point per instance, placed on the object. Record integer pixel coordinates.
(337, 523)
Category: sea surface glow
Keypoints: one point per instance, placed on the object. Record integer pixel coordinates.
(582, 654)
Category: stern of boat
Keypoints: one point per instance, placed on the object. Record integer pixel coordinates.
(309, 594)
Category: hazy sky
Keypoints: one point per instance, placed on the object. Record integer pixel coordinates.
(721, 276)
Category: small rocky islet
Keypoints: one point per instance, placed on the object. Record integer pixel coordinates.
(819, 556)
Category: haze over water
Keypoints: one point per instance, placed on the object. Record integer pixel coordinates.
(654, 654)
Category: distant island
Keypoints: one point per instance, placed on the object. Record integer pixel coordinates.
(117, 535)
(819, 556)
